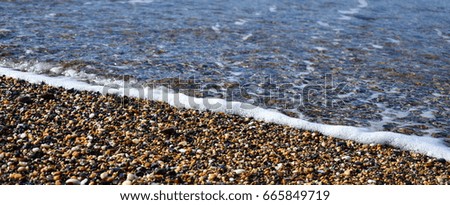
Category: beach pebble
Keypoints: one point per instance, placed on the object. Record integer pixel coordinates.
(370, 181)
(127, 182)
(238, 171)
(279, 166)
(169, 131)
(131, 177)
(36, 149)
(84, 181)
(347, 172)
(15, 176)
(103, 175)
(347, 158)
(25, 99)
(73, 182)
(47, 96)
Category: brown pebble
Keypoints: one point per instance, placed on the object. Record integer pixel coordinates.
(15, 176)
(25, 99)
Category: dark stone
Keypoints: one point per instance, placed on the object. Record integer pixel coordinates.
(48, 96)
(169, 131)
(36, 155)
(25, 99)
(441, 160)
(161, 171)
(172, 173)
(154, 165)
(141, 171)
(340, 144)
(358, 163)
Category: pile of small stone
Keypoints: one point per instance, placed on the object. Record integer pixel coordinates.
(52, 135)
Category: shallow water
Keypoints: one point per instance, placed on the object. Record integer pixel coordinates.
(382, 65)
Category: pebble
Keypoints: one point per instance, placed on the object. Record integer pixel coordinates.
(347, 158)
(347, 172)
(73, 182)
(131, 177)
(169, 131)
(36, 149)
(238, 171)
(47, 96)
(15, 176)
(103, 175)
(127, 182)
(25, 99)
(84, 181)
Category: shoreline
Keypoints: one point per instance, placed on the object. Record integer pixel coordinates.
(54, 135)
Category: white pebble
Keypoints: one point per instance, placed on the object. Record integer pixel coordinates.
(127, 183)
(92, 115)
(23, 164)
(103, 175)
(84, 181)
(131, 177)
(36, 149)
(45, 145)
(182, 150)
(73, 182)
(2, 155)
(346, 158)
(279, 166)
(231, 179)
(199, 151)
(135, 141)
(370, 181)
(238, 171)
(23, 135)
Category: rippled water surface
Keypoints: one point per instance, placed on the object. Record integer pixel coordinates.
(378, 64)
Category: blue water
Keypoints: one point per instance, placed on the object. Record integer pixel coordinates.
(378, 64)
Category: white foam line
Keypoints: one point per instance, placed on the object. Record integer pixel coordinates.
(426, 145)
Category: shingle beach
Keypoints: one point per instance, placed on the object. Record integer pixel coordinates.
(52, 135)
